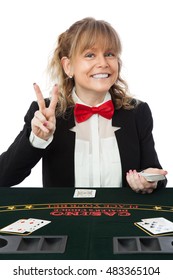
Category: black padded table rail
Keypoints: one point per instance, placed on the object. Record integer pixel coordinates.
(32, 244)
(133, 244)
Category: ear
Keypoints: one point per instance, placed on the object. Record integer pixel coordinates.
(66, 64)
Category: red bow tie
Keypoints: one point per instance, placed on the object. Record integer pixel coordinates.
(83, 112)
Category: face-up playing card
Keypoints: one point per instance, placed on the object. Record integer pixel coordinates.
(24, 226)
(156, 226)
(18, 226)
(34, 224)
(84, 193)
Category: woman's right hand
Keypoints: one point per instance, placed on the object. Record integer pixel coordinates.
(44, 121)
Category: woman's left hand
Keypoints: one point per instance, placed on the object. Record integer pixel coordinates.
(139, 184)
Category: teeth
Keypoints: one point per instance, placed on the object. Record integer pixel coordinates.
(100, 76)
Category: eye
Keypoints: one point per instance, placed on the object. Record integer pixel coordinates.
(89, 55)
(109, 54)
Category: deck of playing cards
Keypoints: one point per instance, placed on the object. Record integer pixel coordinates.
(152, 177)
(156, 226)
(24, 226)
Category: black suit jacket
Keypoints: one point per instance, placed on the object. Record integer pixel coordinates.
(135, 141)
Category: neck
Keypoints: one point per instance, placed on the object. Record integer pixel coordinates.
(92, 99)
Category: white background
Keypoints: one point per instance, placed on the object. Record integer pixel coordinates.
(28, 33)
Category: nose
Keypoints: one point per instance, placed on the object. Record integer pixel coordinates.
(102, 61)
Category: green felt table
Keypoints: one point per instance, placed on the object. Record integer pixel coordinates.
(89, 223)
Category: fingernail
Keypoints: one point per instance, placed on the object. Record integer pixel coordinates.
(34, 84)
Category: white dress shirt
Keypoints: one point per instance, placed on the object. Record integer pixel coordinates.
(97, 159)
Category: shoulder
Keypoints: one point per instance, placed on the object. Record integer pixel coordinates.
(140, 107)
(142, 115)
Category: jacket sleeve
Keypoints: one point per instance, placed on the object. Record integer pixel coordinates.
(16, 163)
(144, 122)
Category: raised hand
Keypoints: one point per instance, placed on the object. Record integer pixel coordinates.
(44, 122)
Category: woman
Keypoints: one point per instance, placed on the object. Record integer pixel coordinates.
(91, 132)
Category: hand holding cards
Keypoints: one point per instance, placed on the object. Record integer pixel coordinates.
(24, 226)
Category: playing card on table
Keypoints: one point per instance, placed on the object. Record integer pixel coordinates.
(34, 224)
(156, 225)
(24, 226)
(84, 193)
(16, 227)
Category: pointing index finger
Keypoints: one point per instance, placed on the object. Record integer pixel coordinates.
(40, 99)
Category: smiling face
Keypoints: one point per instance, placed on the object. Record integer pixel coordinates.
(95, 71)
(92, 58)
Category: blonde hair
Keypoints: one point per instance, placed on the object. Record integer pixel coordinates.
(82, 35)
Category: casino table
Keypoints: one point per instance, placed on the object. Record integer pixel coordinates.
(85, 228)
